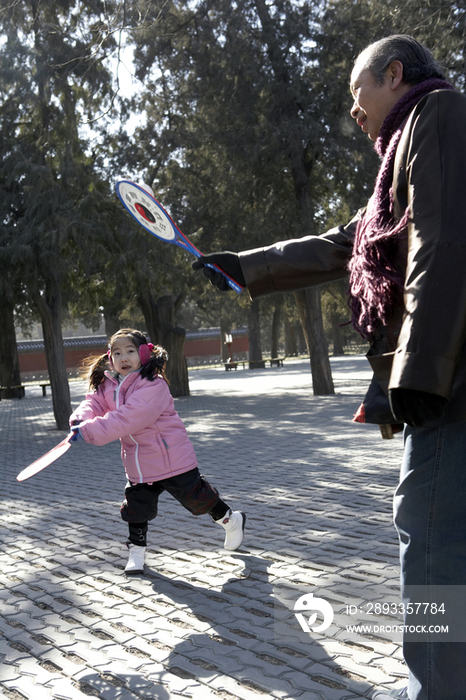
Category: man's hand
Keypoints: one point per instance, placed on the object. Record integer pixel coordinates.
(227, 261)
(415, 408)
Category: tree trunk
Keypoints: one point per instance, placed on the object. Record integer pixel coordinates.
(177, 367)
(337, 334)
(112, 322)
(276, 321)
(49, 307)
(148, 306)
(300, 339)
(172, 339)
(255, 348)
(160, 322)
(310, 314)
(10, 376)
(291, 345)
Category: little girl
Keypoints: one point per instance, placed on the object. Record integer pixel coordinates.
(130, 400)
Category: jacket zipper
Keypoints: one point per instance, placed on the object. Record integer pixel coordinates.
(136, 456)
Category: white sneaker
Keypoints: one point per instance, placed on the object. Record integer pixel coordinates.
(233, 523)
(136, 558)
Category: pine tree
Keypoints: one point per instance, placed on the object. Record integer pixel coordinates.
(49, 78)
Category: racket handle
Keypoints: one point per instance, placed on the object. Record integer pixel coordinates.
(231, 282)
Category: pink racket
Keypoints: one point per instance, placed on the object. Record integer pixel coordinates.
(46, 459)
(148, 212)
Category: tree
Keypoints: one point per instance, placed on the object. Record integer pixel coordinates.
(10, 292)
(49, 78)
(237, 104)
(10, 376)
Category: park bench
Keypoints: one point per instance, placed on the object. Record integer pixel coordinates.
(230, 365)
(276, 361)
(254, 364)
(17, 391)
(234, 365)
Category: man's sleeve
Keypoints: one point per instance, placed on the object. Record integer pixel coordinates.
(434, 328)
(299, 263)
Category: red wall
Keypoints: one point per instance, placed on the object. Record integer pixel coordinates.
(212, 346)
(35, 361)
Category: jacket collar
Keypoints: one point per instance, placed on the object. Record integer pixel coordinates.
(127, 381)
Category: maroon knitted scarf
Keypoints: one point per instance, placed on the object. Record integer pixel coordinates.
(375, 285)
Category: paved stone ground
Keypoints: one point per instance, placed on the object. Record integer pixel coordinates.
(201, 622)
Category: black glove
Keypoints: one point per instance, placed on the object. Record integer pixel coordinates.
(228, 262)
(415, 408)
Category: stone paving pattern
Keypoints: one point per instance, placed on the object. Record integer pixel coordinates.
(201, 622)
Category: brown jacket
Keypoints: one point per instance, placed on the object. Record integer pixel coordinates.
(424, 346)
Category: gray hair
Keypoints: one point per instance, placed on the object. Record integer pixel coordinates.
(418, 62)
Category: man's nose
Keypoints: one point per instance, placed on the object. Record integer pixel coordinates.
(354, 110)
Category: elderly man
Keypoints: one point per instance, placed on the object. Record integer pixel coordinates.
(406, 256)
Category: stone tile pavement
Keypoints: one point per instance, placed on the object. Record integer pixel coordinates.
(203, 623)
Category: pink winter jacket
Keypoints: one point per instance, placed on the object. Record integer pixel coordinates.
(141, 413)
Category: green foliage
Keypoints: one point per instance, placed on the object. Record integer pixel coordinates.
(48, 77)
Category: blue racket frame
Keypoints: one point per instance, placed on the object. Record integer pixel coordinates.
(151, 215)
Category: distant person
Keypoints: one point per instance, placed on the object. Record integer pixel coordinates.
(406, 255)
(130, 400)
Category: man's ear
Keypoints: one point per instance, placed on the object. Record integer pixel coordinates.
(395, 74)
